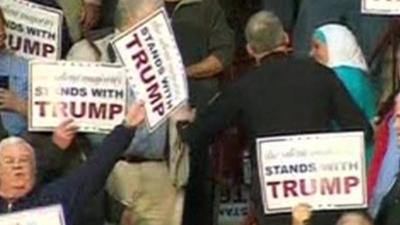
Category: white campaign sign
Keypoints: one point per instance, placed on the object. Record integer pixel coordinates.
(33, 30)
(324, 170)
(381, 7)
(233, 205)
(51, 215)
(93, 94)
(158, 76)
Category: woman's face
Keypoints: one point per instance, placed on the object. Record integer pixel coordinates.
(319, 51)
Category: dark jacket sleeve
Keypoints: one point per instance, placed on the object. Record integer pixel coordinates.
(220, 36)
(76, 189)
(216, 117)
(345, 110)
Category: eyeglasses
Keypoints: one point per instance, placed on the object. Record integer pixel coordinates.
(11, 161)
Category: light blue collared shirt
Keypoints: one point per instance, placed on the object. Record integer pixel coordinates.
(387, 174)
(144, 144)
(16, 68)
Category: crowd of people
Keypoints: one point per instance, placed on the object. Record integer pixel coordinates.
(308, 74)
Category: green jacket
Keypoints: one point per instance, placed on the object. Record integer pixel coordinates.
(201, 26)
(201, 30)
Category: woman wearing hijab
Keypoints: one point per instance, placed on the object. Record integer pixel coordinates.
(335, 46)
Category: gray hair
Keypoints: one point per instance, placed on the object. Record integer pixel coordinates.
(134, 9)
(264, 32)
(355, 218)
(12, 141)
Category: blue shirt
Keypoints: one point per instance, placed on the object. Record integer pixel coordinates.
(145, 144)
(16, 68)
(388, 173)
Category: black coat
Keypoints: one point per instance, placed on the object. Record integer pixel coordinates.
(74, 190)
(285, 95)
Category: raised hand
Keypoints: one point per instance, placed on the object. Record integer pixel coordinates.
(64, 134)
(184, 113)
(301, 213)
(136, 114)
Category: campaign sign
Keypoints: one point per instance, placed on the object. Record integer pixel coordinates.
(381, 7)
(51, 215)
(326, 171)
(158, 76)
(233, 205)
(33, 30)
(93, 94)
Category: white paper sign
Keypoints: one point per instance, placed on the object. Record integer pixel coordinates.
(326, 171)
(233, 204)
(93, 94)
(158, 76)
(33, 30)
(51, 215)
(381, 7)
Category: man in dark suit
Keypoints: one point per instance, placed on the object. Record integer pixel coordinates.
(284, 95)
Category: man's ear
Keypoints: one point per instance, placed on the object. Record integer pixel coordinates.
(250, 50)
(286, 39)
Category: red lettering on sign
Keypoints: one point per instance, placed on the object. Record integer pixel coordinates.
(115, 109)
(147, 74)
(350, 182)
(90, 110)
(289, 188)
(151, 76)
(323, 186)
(274, 189)
(330, 186)
(311, 191)
(42, 107)
(29, 46)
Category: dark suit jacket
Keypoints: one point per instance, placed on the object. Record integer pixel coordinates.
(285, 95)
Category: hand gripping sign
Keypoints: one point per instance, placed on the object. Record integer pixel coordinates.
(381, 7)
(326, 171)
(157, 75)
(51, 215)
(93, 94)
(33, 30)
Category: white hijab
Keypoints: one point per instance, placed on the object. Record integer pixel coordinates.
(342, 46)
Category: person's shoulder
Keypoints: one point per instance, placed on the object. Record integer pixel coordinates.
(352, 71)
(15, 62)
(306, 61)
(83, 50)
(7, 54)
(207, 2)
(250, 75)
(315, 67)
